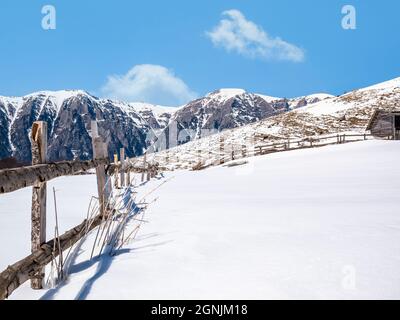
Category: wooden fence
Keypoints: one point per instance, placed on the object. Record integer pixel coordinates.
(36, 176)
(222, 150)
(32, 267)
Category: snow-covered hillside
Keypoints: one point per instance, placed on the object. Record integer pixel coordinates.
(348, 113)
(231, 108)
(309, 224)
(68, 114)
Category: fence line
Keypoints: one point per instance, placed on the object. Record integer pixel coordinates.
(224, 151)
(11, 180)
(32, 267)
(18, 178)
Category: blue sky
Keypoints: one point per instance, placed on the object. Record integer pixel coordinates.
(161, 51)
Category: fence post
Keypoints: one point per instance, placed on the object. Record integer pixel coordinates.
(128, 178)
(244, 151)
(166, 157)
(39, 193)
(116, 173)
(221, 150)
(100, 152)
(148, 173)
(122, 161)
(144, 166)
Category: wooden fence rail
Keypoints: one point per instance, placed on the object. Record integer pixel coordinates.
(43, 253)
(225, 151)
(23, 270)
(14, 179)
(32, 267)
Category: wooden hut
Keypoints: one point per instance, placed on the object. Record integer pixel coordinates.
(385, 124)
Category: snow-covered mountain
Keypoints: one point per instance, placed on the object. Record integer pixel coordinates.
(156, 116)
(68, 114)
(329, 115)
(231, 108)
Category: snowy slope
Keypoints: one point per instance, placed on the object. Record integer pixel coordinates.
(69, 113)
(310, 224)
(157, 117)
(348, 113)
(73, 197)
(157, 109)
(57, 98)
(224, 94)
(231, 108)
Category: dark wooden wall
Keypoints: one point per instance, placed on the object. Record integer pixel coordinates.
(383, 125)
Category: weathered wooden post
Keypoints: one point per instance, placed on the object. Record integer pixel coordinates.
(394, 127)
(244, 151)
(116, 174)
(148, 172)
(39, 193)
(144, 166)
(128, 173)
(221, 150)
(100, 152)
(122, 161)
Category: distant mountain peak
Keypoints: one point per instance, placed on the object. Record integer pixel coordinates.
(156, 109)
(226, 93)
(69, 114)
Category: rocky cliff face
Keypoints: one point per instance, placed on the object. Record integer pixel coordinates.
(69, 115)
(8, 108)
(232, 108)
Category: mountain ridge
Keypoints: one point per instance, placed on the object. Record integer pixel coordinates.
(70, 112)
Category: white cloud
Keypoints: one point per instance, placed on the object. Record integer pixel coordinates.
(236, 33)
(148, 83)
